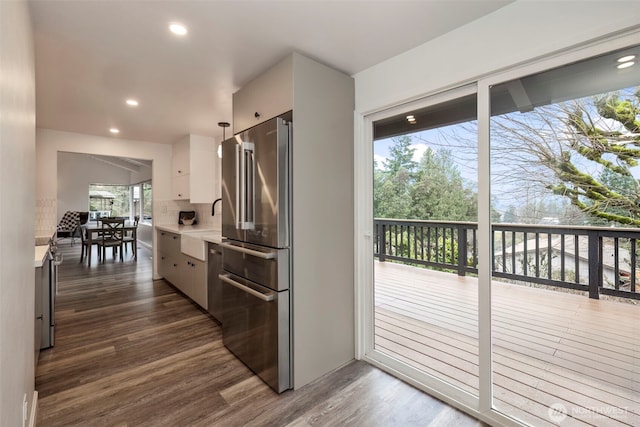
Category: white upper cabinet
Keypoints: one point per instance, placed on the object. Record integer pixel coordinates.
(195, 168)
(180, 160)
(265, 97)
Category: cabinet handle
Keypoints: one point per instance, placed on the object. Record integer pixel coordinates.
(179, 195)
(179, 171)
(258, 254)
(256, 115)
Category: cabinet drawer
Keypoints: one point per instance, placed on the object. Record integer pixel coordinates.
(169, 268)
(198, 276)
(168, 243)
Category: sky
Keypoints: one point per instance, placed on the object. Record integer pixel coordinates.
(461, 140)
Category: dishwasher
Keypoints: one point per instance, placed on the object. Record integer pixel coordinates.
(214, 286)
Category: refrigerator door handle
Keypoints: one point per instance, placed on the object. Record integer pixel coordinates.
(264, 297)
(239, 187)
(247, 177)
(257, 254)
(250, 166)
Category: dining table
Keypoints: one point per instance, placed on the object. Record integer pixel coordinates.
(93, 233)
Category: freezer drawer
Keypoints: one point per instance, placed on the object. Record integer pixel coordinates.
(266, 266)
(256, 329)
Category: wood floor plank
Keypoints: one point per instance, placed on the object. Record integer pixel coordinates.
(131, 351)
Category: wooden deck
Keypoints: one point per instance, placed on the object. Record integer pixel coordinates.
(548, 347)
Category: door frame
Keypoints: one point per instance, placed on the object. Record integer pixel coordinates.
(480, 407)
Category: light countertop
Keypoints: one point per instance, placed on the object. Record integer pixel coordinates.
(40, 253)
(203, 232)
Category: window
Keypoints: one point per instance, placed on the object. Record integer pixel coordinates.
(141, 195)
(108, 201)
(126, 201)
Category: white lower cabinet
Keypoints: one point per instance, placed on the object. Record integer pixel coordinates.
(187, 274)
(196, 280)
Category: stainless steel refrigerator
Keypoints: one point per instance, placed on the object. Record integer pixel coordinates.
(256, 286)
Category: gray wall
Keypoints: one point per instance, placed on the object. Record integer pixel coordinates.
(17, 211)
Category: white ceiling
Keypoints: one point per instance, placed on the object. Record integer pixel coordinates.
(92, 55)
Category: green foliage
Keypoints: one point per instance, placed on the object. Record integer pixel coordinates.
(613, 195)
(441, 250)
(591, 147)
(401, 155)
(510, 215)
(430, 189)
(118, 206)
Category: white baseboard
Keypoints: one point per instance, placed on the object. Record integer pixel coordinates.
(34, 410)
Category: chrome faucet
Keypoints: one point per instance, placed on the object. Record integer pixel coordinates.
(213, 206)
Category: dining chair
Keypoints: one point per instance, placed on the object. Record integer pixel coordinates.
(130, 236)
(84, 238)
(112, 235)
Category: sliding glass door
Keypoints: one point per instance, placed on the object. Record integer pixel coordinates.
(499, 253)
(565, 145)
(425, 210)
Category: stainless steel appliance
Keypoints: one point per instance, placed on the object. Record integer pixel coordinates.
(256, 274)
(214, 285)
(47, 280)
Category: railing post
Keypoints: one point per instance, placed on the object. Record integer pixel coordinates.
(462, 250)
(595, 265)
(382, 246)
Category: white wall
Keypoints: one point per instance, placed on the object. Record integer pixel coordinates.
(76, 172)
(50, 142)
(17, 185)
(517, 33)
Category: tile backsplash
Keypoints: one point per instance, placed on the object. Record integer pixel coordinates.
(46, 221)
(166, 212)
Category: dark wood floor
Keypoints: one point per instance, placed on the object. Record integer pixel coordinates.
(131, 351)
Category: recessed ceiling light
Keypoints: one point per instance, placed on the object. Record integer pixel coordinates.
(626, 58)
(114, 130)
(132, 102)
(626, 65)
(410, 117)
(178, 29)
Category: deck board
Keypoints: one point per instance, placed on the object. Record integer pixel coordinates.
(548, 346)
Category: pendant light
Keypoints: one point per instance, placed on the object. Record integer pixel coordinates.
(223, 125)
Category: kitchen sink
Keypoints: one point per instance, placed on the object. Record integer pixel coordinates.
(194, 243)
(194, 246)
